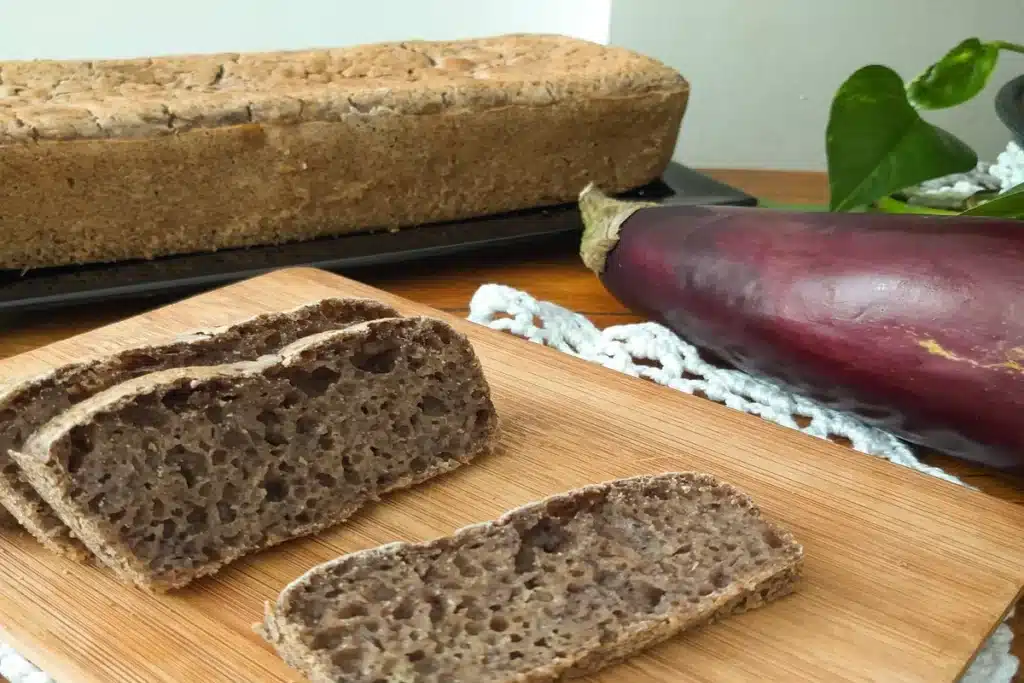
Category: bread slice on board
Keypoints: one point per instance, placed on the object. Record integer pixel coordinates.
(172, 475)
(563, 586)
(30, 403)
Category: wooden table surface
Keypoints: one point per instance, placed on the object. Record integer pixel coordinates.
(552, 274)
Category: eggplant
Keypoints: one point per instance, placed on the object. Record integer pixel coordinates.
(914, 323)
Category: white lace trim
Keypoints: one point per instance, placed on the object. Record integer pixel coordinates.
(654, 352)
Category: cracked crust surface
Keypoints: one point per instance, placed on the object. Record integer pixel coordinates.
(64, 100)
(108, 161)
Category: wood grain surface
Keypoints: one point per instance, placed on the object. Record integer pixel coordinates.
(553, 273)
(905, 574)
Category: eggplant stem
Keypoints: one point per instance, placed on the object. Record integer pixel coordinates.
(603, 217)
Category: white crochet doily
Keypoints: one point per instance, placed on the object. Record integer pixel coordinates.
(652, 351)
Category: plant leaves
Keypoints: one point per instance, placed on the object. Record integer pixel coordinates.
(1009, 204)
(956, 78)
(877, 143)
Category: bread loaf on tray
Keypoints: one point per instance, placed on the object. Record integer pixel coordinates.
(123, 159)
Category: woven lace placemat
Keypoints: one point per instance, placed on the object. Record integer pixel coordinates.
(651, 351)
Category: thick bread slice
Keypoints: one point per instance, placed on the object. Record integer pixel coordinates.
(170, 476)
(27, 405)
(563, 586)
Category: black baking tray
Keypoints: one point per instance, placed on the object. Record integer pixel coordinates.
(178, 275)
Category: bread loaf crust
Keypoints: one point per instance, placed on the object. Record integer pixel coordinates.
(46, 395)
(290, 623)
(206, 152)
(46, 459)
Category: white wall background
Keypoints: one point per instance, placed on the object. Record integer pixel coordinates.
(126, 28)
(763, 73)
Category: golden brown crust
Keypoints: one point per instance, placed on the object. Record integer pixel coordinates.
(65, 100)
(151, 161)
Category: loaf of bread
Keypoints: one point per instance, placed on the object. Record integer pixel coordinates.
(27, 405)
(123, 159)
(561, 587)
(172, 475)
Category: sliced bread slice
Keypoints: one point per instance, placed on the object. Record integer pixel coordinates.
(26, 405)
(170, 476)
(563, 586)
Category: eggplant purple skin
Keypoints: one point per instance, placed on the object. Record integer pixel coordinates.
(914, 323)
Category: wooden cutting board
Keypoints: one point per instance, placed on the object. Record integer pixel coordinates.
(905, 575)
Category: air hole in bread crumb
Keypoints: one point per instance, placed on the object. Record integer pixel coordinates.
(95, 502)
(313, 383)
(652, 594)
(404, 610)
(381, 592)
(80, 438)
(377, 362)
(292, 398)
(235, 438)
(347, 660)
(418, 464)
(325, 480)
(306, 425)
(225, 512)
(499, 623)
(465, 567)
(176, 399)
(353, 610)
(431, 406)
(276, 490)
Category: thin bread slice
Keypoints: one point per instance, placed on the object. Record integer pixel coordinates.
(563, 586)
(27, 405)
(170, 476)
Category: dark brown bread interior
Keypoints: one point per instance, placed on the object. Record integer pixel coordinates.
(170, 476)
(564, 586)
(30, 404)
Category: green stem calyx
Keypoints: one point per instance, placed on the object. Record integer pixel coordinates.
(603, 217)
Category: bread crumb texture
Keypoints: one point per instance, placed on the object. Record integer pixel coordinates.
(566, 585)
(28, 405)
(64, 100)
(170, 476)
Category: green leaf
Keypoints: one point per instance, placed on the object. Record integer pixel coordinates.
(1009, 204)
(877, 143)
(956, 78)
